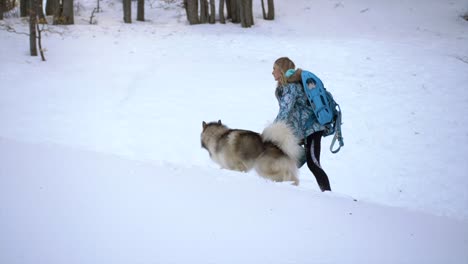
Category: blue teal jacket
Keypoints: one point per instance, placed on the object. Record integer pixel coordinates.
(296, 111)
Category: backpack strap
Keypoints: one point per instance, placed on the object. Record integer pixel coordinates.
(338, 136)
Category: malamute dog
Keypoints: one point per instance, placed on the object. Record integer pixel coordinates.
(273, 154)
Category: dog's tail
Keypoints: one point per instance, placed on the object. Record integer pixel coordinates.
(283, 137)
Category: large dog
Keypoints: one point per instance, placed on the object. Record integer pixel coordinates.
(273, 154)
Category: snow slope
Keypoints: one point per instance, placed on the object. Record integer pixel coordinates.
(71, 206)
(101, 159)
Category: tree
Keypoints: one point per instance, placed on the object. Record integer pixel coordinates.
(98, 8)
(212, 18)
(228, 8)
(127, 9)
(32, 29)
(234, 11)
(63, 13)
(57, 14)
(203, 11)
(246, 12)
(2, 8)
(191, 8)
(67, 13)
(270, 15)
(24, 6)
(239, 11)
(222, 20)
(40, 12)
(52, 7)
(141, 10)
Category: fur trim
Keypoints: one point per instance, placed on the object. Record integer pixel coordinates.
(296, 77)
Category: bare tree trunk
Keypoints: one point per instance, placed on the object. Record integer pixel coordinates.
(127, 9)
(271, 10)
(241, 11)
(40, 12)
(246, 13)
(58, 14)
(24, 6)
(141, 10)
(249, 12)
(2, 8)
(203, 11)
(63, 13)
(212, 12)
(39, 42)
(235, 11)
(52, 6)
(67, 13)
(228, 8)
(191, 8)
(263, 9)
(222, 20)
(32, 29)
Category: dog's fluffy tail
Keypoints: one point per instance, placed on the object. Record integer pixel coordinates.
(282, 136)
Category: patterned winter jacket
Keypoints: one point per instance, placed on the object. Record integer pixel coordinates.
(296, 111)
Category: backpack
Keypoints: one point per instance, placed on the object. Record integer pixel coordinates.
(325, 108)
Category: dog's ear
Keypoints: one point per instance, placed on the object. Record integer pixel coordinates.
(219, 122)
(204, 124)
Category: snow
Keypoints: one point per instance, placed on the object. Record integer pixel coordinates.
(100, 145)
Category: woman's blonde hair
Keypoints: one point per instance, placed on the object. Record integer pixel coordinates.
(284, 64)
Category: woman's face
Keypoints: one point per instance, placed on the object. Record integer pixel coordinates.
(276, 73)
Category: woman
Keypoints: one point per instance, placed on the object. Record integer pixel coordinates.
(295, 110)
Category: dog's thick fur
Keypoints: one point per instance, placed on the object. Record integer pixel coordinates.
(273, 154)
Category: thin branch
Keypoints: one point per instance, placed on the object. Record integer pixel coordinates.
(10, 29)
(46, 28)
(462, 59)
(41, 50)
(95, 10)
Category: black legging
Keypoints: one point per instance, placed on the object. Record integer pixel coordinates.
(312, 147)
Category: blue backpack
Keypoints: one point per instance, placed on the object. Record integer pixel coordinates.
(325, 108)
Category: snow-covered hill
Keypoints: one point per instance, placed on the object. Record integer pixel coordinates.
(100, 151)
(63, 205)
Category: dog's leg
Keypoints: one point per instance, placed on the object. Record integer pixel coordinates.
(240, 166)
(295, 180)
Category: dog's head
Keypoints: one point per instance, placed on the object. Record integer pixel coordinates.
(205, 125)
(210, 131)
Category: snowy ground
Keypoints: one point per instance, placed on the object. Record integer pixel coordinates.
(74, 206)
(101, 157)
